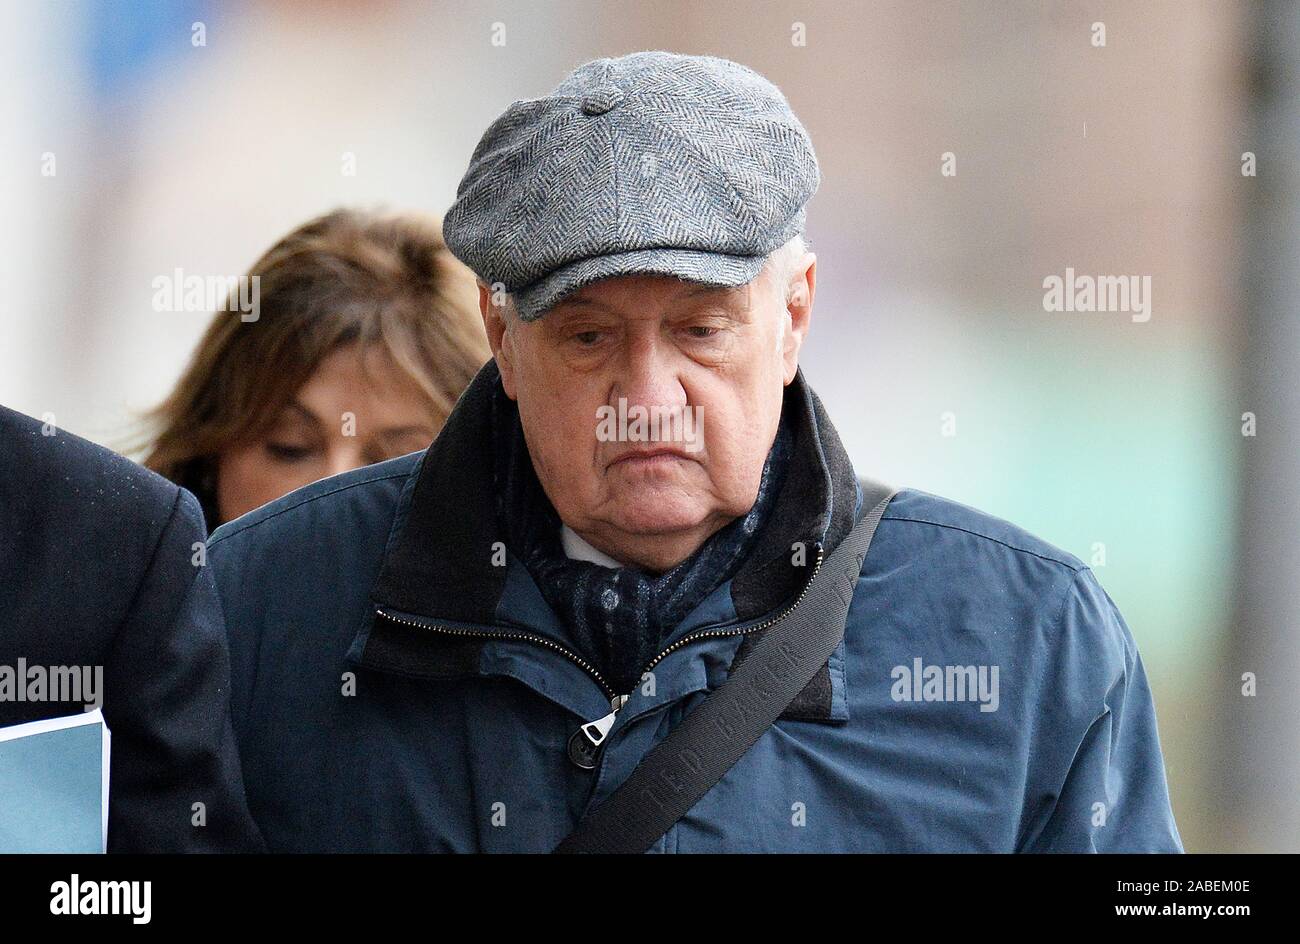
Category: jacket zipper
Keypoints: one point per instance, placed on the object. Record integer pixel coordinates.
(706, 633)
(515, 637)
(602, 725)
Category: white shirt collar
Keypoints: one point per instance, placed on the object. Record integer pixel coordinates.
(575, 548)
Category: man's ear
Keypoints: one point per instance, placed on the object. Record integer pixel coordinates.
(499, 336)
(799, 291)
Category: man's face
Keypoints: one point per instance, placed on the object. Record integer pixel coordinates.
(715, 357)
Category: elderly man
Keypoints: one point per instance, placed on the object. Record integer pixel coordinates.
(595, 607)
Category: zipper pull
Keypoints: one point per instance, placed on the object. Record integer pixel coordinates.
(584, 745)
(597, 730)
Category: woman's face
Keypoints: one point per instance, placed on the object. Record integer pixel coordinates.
(348, 414)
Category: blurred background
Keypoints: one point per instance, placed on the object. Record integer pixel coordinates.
(142, 137)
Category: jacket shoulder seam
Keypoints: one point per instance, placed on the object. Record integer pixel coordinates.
(305, 500)
(1057, 623)
(988, 537)
(129, 612)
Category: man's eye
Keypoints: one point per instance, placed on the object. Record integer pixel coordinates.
(587, 338)
(702, 332)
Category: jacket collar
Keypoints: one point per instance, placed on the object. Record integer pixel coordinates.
(439, 562)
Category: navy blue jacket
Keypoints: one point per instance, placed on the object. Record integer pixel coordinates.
(400, 684)
(97, 569)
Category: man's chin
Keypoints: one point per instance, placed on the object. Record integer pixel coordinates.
(664, 512)
(657, 526)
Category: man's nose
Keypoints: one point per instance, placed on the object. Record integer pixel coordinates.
(650, 376)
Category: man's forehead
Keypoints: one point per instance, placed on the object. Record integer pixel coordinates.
(620, 290)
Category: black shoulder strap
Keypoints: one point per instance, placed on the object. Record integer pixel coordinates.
(683, 767)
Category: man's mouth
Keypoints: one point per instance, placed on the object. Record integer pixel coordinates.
(649, 458)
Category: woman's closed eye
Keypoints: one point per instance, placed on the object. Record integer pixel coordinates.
(288, 452)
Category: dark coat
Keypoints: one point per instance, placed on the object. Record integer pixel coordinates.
(395, 689)
(96, 569)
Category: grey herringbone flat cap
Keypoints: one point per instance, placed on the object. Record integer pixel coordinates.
(649, 163)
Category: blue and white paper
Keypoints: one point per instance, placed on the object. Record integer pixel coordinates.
(54, 785)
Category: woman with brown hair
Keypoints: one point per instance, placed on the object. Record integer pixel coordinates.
(367, 332)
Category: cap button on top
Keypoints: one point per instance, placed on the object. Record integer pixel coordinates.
(601, 99)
